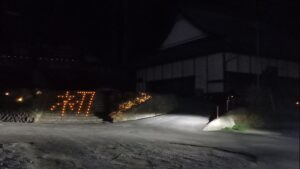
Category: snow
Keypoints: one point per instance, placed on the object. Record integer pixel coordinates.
(167, 141)
(219, 124)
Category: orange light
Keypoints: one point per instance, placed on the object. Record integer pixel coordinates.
(75, 102)
(142, 98)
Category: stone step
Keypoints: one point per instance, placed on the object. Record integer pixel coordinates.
(70, 121)
(57, 118)
(65, 121)
(69, 116)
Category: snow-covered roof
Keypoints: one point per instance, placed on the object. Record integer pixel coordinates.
(182, 32)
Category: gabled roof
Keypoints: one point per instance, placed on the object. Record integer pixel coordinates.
(182, 32)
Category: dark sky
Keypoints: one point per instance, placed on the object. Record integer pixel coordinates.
(122, 28)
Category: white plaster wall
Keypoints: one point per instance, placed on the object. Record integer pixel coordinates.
(244, 64)
(177, 69)
(167, 71)
(231, 62)
(201, 74)
(158, 73)
(283, 68)
(293, 70)
(215, 87)
(150, 74)
(188, 67)
(215, 67)
(255, 65)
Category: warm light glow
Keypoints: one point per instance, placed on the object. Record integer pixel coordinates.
(39, 92)
(20, 99)
(141, 98)
(6, 93)
(297, 102)
(81, 102)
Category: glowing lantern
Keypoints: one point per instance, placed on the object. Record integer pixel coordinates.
(142, 98)
(81, 102)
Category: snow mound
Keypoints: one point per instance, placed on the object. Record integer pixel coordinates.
(219, 124)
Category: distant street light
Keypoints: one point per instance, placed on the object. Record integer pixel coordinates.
(39, 92)
(20, 99)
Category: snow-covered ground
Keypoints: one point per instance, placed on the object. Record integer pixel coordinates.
(168, 141)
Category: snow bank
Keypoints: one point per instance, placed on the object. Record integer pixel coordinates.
(219, 124)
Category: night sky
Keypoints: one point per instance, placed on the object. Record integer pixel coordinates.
(129, 33)
(137, 27)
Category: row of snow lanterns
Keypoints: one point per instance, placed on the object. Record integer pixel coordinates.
(69, 102)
